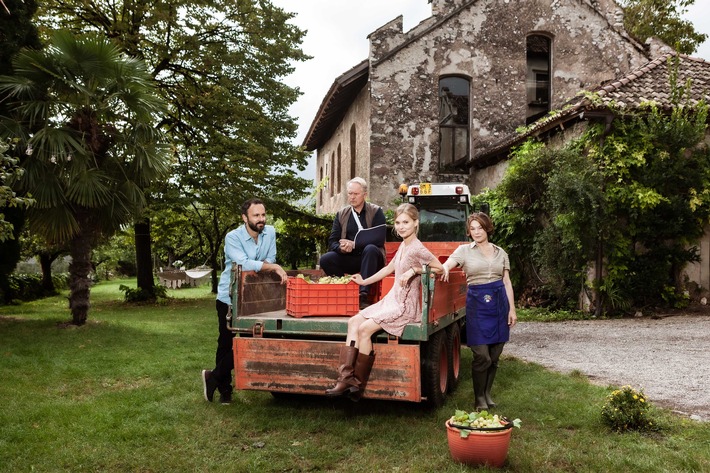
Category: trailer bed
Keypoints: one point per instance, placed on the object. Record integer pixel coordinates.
(278, 323)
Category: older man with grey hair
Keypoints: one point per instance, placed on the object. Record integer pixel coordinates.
(344, 256)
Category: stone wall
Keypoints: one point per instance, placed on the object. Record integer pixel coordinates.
(699, 272)
(485, 42)
(357, 115)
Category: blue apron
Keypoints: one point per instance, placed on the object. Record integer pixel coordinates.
(487, 314)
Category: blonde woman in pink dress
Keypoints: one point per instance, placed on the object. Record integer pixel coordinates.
(401, 306)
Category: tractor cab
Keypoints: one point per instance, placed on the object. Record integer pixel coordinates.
(443, 209)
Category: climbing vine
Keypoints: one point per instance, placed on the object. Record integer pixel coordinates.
(635, 197)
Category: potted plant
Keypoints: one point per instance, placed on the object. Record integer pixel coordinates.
(479, 438)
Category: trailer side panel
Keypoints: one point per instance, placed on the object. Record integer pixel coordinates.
(310, 367)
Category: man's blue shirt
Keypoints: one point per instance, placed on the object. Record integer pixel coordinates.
(240, 248)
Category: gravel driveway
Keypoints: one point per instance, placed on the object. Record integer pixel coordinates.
(668, 357)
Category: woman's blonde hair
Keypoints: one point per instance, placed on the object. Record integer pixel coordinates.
(411, 212)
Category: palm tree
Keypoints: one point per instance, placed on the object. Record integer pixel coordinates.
(83, 114)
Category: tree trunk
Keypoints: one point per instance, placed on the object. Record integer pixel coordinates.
(215, 245)
(45, 262)
(215, 271)
(598, 274)
(10, 251)
(79, 283)
(144, 262)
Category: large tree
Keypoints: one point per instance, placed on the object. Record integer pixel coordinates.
(220, 66)
(84, 115)
(16, 32)
(663, 19)
(36, 246)
(10, 172)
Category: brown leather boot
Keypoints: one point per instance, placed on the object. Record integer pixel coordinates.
(363, 366)
(346, 378)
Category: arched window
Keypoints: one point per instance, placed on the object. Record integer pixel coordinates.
(331, 181)
(338, 171)
(320, 180)
(538, 76)
(353, 152)
(453, 121)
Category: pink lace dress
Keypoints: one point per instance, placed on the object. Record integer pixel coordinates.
(402, 305)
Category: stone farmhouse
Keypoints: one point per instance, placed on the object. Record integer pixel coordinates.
(442, 102)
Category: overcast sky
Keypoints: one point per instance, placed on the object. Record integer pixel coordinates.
(337, 39)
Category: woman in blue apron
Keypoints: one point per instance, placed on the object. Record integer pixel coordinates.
(490, 311)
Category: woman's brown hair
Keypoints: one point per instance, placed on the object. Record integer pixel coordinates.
(481, 218)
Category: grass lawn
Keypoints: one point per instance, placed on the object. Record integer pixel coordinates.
(123, 394)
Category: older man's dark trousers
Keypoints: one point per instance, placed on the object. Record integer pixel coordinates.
(366, 263)
(224, 359)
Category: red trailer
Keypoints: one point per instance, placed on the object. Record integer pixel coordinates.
(295, 350)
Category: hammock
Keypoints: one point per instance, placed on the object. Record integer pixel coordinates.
(198, 272)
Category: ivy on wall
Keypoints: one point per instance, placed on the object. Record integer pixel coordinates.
(635, 198)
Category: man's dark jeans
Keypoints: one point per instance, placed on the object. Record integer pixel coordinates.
(224, 359)
(367, 263)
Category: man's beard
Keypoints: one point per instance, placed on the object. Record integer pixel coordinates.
(255, 227)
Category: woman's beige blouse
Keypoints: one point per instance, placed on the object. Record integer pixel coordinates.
(478, 268)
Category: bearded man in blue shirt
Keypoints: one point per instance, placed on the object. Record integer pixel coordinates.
(253, 246)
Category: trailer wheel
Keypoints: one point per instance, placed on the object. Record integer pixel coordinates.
(453, 347)
(435, 369)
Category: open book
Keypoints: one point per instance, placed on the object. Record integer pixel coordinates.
(371, 236)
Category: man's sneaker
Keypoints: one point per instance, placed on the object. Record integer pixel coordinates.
(225, 398)
(209, 385)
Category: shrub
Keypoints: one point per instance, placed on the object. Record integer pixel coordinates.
(61, 280)
(28, 287)
(141, 295)
(627, 409)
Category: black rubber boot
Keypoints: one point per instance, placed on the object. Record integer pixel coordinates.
(491, 375)
(479, 389)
